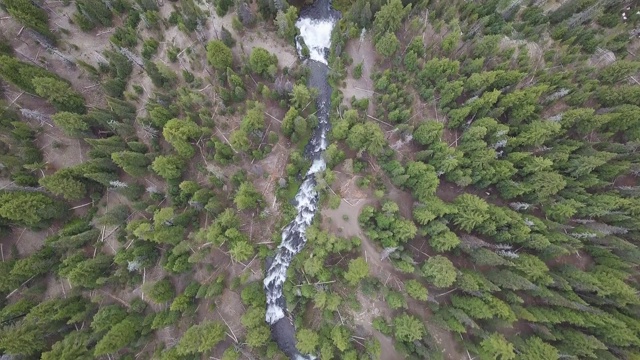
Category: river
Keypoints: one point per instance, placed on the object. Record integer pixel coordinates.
(315, 24)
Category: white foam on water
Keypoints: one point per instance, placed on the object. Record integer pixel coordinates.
(317, 36)
(307, 203)
(317, 166)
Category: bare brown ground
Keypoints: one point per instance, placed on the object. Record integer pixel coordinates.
(259, 36)
(386, 273)
(373, 308)
(361, 52)
(229, 308)
(26, 241)
(579, 259)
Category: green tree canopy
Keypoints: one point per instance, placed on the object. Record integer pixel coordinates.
(169, 166)
(219, 55)
(60, 94)
(387, 44)
(307, 341)
(416, 290)
(63, 183)
(496, 347)
(440, 271)
(29, 208)
(247, 197)
(133, 163)
(178, 133)
(358, 270)
(389, 18)
(74, 346)
(263, 62)
(71, 124)
(407, 328)
(200, 338)
(118, 337)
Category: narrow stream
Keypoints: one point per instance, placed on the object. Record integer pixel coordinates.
(315, 24)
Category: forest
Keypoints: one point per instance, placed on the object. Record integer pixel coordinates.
(480, 201)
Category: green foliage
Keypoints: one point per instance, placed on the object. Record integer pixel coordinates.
(119, 336)
(300, 96)
(307, 341)
(247, 197)
(262, 62)
(74, 346)
(285, 21)
(408, 328)
(341, 337)
(440, 271)
(107, 317)
(89, 273)
(62, 184)
(133, 163)
(169, 167)
(31, 209)
(416, 290)
(471, 212)
(162, 291)
(29, 14)
(536, 349)
(367, 137)
(387, 44)
(70, 123)
(92, 13)
(390, 16)
(22, 74)
(358, 270)
(428, 132)
(386, 225)
(395, 300)
(200, 338)
(149, 48)
(495, 346)
(219, 55)
(178, 133)
(251, 133)
(357, 71)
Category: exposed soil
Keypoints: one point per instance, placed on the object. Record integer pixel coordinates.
(579, 259)
(373, 308)
(448, 192)
(387, 274)
(361, 51)
(259, 36)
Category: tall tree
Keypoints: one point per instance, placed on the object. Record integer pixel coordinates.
(219, 55)
(440, 271)
(200, 338)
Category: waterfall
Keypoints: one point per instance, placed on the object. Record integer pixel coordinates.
(315, 25)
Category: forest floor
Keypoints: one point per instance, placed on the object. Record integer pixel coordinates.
(61, 151)
(362, 52)
(384, 271)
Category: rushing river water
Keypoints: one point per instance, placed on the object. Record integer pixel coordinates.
(315, 24)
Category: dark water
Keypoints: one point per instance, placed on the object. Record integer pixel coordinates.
(318, 16)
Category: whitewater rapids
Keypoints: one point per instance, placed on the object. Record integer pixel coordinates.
(315, 25)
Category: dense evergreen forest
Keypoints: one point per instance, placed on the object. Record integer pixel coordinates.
(481, 199)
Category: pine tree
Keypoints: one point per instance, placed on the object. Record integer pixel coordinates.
(408, 328)
(200, 338)
(358, 270)
(247, 197)
(119, 336)
(440, 271)
(496, 347)
(169, 167)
